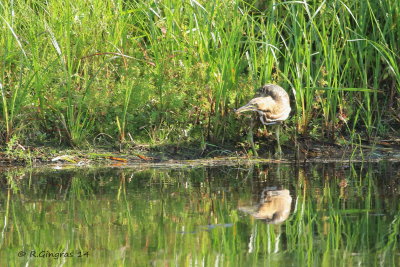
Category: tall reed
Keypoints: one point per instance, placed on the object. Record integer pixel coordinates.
(191, 63)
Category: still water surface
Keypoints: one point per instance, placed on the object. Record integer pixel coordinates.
(260, 215)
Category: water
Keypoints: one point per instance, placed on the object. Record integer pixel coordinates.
(262, 215)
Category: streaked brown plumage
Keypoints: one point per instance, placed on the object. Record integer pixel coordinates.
(271, 102)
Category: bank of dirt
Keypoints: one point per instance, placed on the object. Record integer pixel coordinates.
(306, 151)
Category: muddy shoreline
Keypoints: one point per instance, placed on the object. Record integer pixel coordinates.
(189, 157)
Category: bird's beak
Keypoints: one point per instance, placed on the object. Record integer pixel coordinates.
(247, 107)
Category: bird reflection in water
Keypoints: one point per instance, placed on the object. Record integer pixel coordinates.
(274, 206)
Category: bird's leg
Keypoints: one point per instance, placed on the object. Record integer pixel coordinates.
(278, 149)
(262, 119)
(250, 138)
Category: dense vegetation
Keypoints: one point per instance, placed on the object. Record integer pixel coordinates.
(101, 72)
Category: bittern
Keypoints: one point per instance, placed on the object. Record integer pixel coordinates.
(272, 104)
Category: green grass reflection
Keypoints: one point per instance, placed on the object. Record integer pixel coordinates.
(341, 215)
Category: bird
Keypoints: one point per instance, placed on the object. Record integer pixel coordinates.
(272, 104)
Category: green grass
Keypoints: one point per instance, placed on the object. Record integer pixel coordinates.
(170, 71)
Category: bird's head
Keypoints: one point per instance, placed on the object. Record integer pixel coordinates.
(256, 104)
